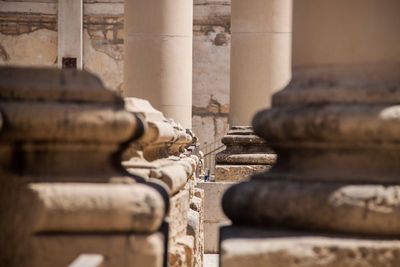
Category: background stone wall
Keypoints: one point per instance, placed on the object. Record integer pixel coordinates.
(28, 36)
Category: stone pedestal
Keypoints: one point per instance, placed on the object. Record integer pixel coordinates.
(331, 199)
(245, 154)
(60, 144)
(252, 247)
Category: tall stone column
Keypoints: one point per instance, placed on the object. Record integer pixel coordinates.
(333, 193)
(260, 65)
(158, 55)
(260, 55)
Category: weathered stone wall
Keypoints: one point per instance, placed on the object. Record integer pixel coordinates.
(211, 53)
(28, 36)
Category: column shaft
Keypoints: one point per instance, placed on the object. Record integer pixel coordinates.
(260, 55)
(70, 28)
(158, 55)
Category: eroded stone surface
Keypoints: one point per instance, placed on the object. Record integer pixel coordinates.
(274, 248)
(351, 208)
(65, 127)
(245, 154)
(118, 249)
(236, 173)
(214, 217)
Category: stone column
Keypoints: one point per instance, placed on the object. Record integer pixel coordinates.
(63, 191)
(333, 193)
(70, 31)
(158, 55)
(260, 55)
(260, 65)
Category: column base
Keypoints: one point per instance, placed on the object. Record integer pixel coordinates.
(236, 173)
(118, 249)
(251, 247)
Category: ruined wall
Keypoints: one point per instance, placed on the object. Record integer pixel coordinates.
(211, 53)
(28, 36)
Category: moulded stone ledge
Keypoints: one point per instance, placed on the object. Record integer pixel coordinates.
(124, 249)
(227, 157)
(173, 171)
(254, 247)
(53, 85)
(377, 83)
(162, 137)
(235, 173)
(77, 207)
(369, 209)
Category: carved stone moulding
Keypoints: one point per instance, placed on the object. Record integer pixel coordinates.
(336, 132)
(61, 139)
(245, 154)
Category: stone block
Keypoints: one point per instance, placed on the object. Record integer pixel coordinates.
(195, 229)
(211, 237)
(213, 214)
(236, 173)
(118, 249)
(213, 192)
(182, 252)
(197, 205)
(272, 248)
(177, 216)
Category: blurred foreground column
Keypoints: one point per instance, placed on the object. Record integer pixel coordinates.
(331, 200)
(158, 55)
(63, 191)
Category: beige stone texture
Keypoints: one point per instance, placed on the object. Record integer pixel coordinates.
(196, 225)
(369, 39)
(194, 230)
(335, 133)
(269, 248)
(236, 173)
(347, 208)
(122, 249)
(177, 216)
(158, 56)
(213, 214)
(245, 154)
(213, 192)
(181, 254)
(103, 61)
(260, 62)
(96, 207)
(70, 27)
(211, 63)
(162, 137)
(104, 56)
(56, 198)
(38, 48)
(211, 55)
(260, 55)
(168, 154)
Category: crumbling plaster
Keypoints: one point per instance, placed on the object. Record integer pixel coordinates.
(28, 36)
